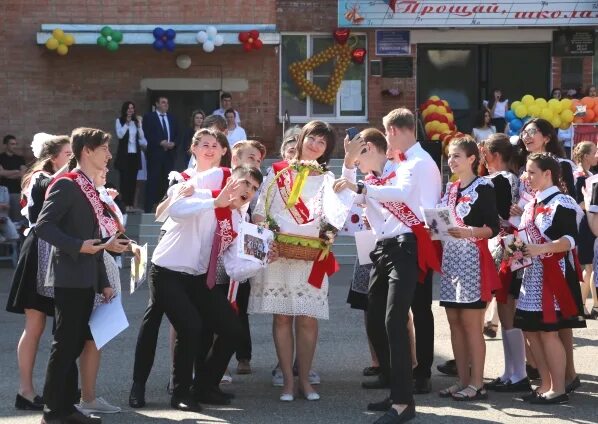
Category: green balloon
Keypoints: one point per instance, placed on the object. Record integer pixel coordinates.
(106, 31)
(117, 36)
(102, 41)
(112, 46)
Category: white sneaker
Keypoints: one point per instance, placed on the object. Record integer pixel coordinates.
(277, 380)
(226, 378)
(98, 406)
(314, 378)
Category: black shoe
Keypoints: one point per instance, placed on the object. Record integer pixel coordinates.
(52, 421)
(227, 395)
(528, 397)
(371, 371)
(574, 385)
(532, 372)
(393, 417)
(520, 386)
(79, 418)
(211, 397)
(382, 406)
(137, 396)
(187, 404)
(448, 368)
(494, 384)
(25, 404)
(541, 400)
(379, 383)
(422, 386)
(594, 313)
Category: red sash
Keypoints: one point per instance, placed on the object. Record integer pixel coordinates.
(223, 238)
(299, 212)
(427, 257)
(489, 280)
(505, 275)
(554, 283)
(108, 223)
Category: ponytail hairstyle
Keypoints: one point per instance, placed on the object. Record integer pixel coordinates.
(50, 149)
(501, 144)
(549, 162)
(469, 146)
(582, 149)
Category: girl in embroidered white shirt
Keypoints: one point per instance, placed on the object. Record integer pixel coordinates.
(468, 271)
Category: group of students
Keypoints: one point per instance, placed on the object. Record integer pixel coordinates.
(195, 270)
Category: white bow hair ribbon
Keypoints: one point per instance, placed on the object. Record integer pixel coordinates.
(37, 145)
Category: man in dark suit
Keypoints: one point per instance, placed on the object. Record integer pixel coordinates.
(69, 221)
(161, 131)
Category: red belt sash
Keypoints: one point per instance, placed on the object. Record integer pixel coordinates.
(505, 275)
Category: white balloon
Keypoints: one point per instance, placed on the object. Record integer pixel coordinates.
(202, 37)
(208, 46)
(183, 61)
(212, 31)
(218, 40)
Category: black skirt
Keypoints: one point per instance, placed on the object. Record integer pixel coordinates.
(585, 243)
(478, 304)
(23, 292)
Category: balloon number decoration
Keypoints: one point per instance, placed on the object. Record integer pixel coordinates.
(250, 40)
(209, 39)
(164, 39)
(439, 121)
(109, 39)
(341, 53)
(60, 41)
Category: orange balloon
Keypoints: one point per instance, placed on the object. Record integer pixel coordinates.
(578, 120)
(596, 109)
(590, 115)
(574, 104)
(588, 101)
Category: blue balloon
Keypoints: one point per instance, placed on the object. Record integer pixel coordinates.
(170, 33)
(158, 32)
(515, 125)
(158, 45)
(510, 115)
(170, 45)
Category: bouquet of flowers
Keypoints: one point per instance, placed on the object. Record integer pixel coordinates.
(513, 254)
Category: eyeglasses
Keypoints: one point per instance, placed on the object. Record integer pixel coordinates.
(530, 132)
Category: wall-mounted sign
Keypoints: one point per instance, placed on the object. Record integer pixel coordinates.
(461, 14)
(573, 43)
(397, 67)
(392, 43)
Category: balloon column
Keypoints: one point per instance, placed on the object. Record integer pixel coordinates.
(60, 41)
(585, 110)
(164, 39)
(560, 113)
(439, 121)
(209, 39)
(109, 39)
(250, 40)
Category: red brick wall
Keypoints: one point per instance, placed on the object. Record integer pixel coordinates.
(586, 77)
(45, 92)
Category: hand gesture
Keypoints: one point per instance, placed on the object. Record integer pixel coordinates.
(353, 149)
(108, 294)
(140, 120)
(118, 245)
(460, 232)
(136, 250)
(186, 190)
(112, 192)
(531, 250)
(343, 183)
(91, 247)
(272, 253)
(515, 210)
(231, 191)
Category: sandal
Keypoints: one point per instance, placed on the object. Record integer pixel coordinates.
(450, 391)
(462, 395)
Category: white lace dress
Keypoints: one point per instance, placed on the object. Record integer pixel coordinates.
(282, 287)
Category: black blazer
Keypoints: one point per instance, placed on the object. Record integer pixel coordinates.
(154, 134)
(122, 151)
(65, 221)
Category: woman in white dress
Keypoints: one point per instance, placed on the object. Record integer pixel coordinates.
(287, 288)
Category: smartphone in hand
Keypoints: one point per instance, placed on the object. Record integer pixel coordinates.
(352, 132)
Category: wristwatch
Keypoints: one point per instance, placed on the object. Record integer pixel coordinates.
(360, 187)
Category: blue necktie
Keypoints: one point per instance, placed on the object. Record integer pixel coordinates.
(164, 127)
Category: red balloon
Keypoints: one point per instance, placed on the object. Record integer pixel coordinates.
(358, 55)
(443, 118)
(254, 34)
(257, 44)
(243, 36)
(341, 35)
(247, 47)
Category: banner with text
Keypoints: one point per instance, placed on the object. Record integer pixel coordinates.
(465, 14)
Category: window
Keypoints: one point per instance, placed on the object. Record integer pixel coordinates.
(351, 99)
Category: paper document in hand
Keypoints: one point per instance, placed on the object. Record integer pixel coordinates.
(439, 220)
(254, 243)
(139, 269)
(107, 321)
(366, 243)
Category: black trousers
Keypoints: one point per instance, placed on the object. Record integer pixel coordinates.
(499, 124)
(423, 321)
(73, 308)
(128, 179)
(156, 185)
(392, 287)
(147, 340)
(244, 348)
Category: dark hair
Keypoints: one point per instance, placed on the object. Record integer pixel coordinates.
(220, 138)
(323, 129)
(87, 137)
(492, 98)
(400, 118)
(469, 146)
(157, 99)
(226, 95)
(253, 172)
(375, 136)
(549, 162)
(50, 150)
(547, 130)
(480, 118)
(7, 138)
(555, 89)
(231, 110)
(214, 121)
(501, 144)
(194, 114)
(123, 113)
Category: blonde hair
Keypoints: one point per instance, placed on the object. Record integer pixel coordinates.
(242, 144)
(400, 118)
(582, 149)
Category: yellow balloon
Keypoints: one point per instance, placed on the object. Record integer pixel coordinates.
(52, 43)
(534, 110)
(565, 125)
(434, 98)
(566, 104)
(429, 127)
(542, 103)
(62, 50)
(58, 34)
(515, 104)
(555, 105)
(567, 116)
(430, 109)
(69, 40)
(520, 111)
(442, 128)
(556, 121)
(441, 110)
(546, 114)
(436, 137)
(527, 100)
(450, 117)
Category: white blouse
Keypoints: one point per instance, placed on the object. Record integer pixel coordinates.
(130, 126)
